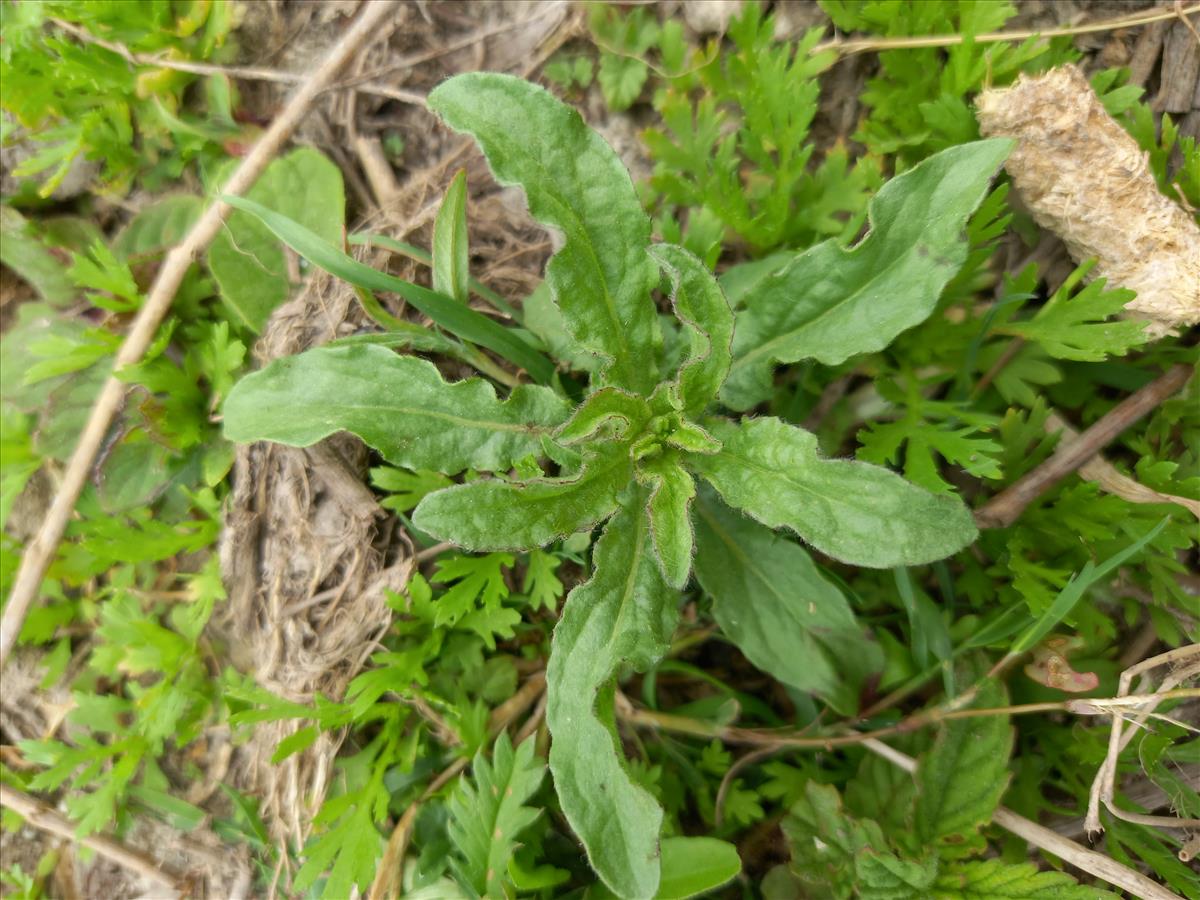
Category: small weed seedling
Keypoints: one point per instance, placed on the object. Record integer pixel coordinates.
(631, 454)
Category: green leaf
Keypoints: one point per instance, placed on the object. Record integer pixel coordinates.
(993, 879)
(159, 226)
(457, 318)
(773, 602)
(486, 817)
(247, 261)
(575, 183)
(620, 413)
(702, 308)
(852, 511)
(694, 865)
(961, 778)
(541, 584)
(621, 79)
(406, 489)
(624, 614)
(669, 507)
(22, 251)
(451, 264)
(1079, 327)
(397, 404)
(830, 303)
(505, 515)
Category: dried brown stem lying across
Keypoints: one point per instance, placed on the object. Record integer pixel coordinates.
(1007, 506)
(1096, 864)
(41, 816)
(41, 550)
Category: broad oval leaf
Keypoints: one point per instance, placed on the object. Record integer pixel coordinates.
(576, 184)
(853, 511)
(694, 865)
(397, 404)
(701, 306)
(248, 261)
(669, 507)
(773, 602)
(507, 515)
(457, 318)
(625, 613)
(830, 303)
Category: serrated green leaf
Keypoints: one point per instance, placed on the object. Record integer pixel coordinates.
(487, 816)
(574, 183)
(397, 404)
(830, 303)
(541, 584)
(506, 515)
(451, 270)
(621, 79)
(695, 865)
(624, 614)
(702, 308)
(669, 507)
(248, 261)
(457, 318)
(772, 601)
(406, 489)
(1079, 327)
(961, 778)
(993, 879)
(852, 511)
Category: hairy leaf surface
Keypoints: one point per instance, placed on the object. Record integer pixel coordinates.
(708, 321)
(620, 411)
(624, 614)
(771, 600)
(397, 404)
(505, 515)
(669, 507)
(576, 184)
(830, 303)
(852, 511)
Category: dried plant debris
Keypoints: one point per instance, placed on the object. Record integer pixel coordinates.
(1084, 178)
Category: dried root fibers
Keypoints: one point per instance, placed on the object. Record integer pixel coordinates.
(1084, 178)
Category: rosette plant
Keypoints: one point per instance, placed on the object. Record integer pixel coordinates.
(646, 455)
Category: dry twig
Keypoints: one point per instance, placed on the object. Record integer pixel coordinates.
(40, 551)
(1004, 509)
(43, 817)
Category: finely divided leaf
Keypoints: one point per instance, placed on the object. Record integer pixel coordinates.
(1080, 327)
(487, 816)
(505, 515)
(624, 614)
(961, 778)
(708, 322)
(830, 303)
(852, 511)
(397, 404)
(669, 507)
(993, 879)
(771, 600)
(575, 183)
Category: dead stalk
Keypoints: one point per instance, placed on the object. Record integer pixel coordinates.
(41, 816)
(40, 551)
